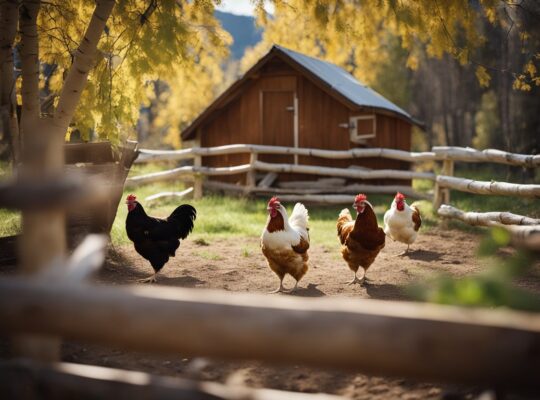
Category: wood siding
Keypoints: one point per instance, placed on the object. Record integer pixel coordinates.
(259, 114)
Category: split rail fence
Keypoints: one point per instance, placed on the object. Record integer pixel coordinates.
(496, 348)
(316, 192)
(331, 190)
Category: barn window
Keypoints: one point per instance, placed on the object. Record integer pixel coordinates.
(363, 127)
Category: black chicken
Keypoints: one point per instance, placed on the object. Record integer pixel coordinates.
(157, 239)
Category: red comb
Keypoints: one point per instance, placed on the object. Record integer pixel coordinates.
(273, 200)
(131, 197)
(360, 197)
(400, 196)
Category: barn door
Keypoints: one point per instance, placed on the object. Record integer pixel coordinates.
(278, 113)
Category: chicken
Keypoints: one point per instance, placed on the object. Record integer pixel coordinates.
(285, 242)
(362, 239)
(157, 239)
(402, 222)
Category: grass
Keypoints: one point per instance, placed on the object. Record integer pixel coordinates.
(221, 216)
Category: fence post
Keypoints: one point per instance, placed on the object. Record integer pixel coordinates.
(442, 195)
(251, 176)
(197, 177)
(44, 237)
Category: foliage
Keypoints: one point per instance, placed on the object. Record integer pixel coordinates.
(488, 134)
(176, 41)
(188, 92)
(455, 27)
(493, 287)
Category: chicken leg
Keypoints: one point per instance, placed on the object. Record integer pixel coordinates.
(404, 253)
(280, 289)
(356, 279)
(150, 279)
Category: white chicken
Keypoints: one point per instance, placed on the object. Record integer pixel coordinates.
(285, 242)
(402, 222)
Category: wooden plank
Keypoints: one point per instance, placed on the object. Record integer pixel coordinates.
(30, 380)
(326, 182)
(48, 193)
(165, 195)
(442, 194)
(525, 236)
(147, 155)
(437, 154)
(487, 218)
(94, 152)
(318, 198)
(493, 188)
(267, 181)
(421, 341)
(467, 154)
(186, 170)
(313, 188)
(343, 172)
(525, 231)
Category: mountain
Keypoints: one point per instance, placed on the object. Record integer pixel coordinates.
(243, 30)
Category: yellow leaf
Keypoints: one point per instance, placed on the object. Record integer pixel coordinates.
(483, 76)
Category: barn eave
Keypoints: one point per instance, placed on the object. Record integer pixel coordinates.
(288, 56)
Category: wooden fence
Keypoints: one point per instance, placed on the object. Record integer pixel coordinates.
(308, 191)
(498, 348)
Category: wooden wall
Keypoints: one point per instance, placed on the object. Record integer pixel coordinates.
(257, 110)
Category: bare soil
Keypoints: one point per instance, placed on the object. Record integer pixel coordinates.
(236, 264)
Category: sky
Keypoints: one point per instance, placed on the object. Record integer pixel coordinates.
(240, 7)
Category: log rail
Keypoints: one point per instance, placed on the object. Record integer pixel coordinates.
(434, 342)
(319, 193)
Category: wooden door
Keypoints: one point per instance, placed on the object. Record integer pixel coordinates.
(277, 114)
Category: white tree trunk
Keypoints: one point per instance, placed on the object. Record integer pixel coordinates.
(29, 68)
(43, 155)
(9, 18)
(83, 62)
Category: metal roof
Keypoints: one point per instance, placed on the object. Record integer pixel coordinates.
(343, 82)
(333, 79)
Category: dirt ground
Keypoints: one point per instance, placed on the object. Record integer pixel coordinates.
(237, 265)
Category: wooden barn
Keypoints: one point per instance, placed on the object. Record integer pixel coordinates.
(290, 99)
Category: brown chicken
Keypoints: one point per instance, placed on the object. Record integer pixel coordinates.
(361, 239)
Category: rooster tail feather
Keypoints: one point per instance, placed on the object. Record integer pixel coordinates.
(344, 218)
(182, 218)
(299, 217)
(345, 214)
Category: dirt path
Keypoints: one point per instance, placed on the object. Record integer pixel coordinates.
(236, 264)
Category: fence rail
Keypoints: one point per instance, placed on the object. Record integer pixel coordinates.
(323, 193)
(445, 343)
(464, 154)
(452, 344)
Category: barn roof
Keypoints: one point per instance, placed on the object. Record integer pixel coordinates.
(343, 82)
(334, 79)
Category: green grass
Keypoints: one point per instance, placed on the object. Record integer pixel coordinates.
(10, 221)
(221, 216)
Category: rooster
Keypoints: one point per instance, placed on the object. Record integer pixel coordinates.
(361, 239)
(157, 239)
(285, 242)
(402, 222)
